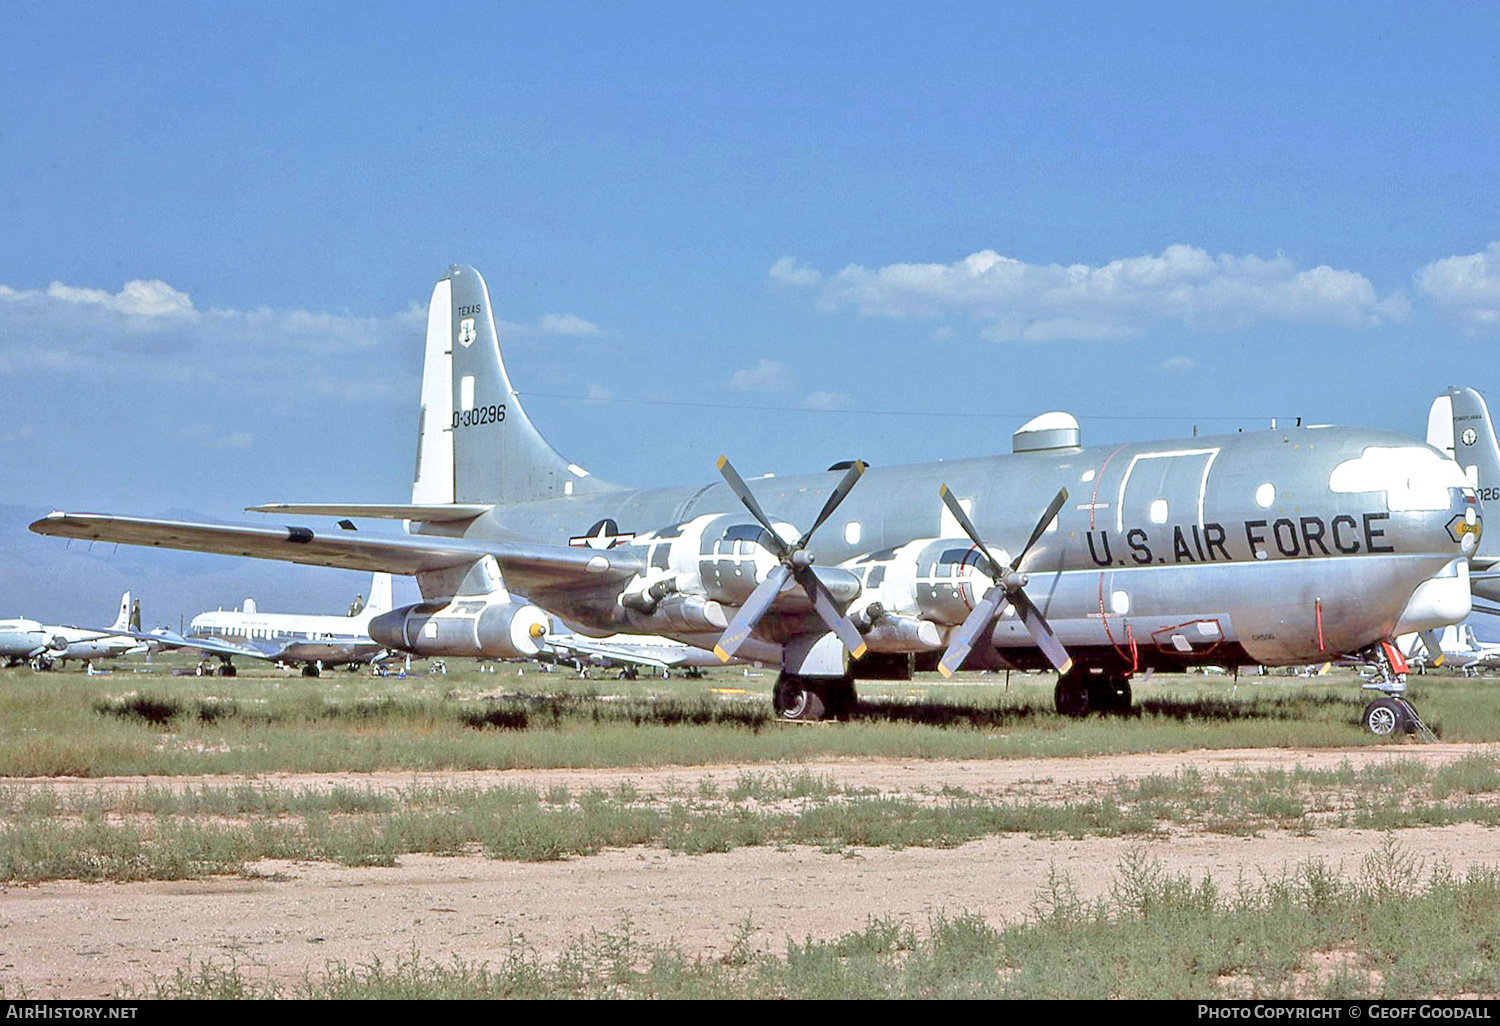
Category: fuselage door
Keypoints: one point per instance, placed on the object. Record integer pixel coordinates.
(1164, 488)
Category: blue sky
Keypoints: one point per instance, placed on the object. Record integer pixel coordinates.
(793, 233)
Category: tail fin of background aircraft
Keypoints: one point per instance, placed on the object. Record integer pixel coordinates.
(1459, 424)
(122, 620)
(380, 595)
(475, 443)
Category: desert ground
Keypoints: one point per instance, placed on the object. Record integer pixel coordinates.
(286, 920)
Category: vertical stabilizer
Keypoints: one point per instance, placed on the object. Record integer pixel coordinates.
(122, 619)
(380, 595)
(1469, 436)
(475, 442)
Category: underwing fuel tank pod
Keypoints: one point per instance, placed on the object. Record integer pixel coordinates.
(1277, 547)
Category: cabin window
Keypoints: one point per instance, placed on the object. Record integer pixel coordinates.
(1158, 511)
(1265, 495)
(852, 532)
(1119, 603)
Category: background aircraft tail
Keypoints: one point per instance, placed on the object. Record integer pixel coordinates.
(380, 594)
(475, 443)
(124, 620)
(1459, 424)
(380, 597)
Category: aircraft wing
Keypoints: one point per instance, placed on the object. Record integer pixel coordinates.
(526, 566)
(662, 656)
(218, 646)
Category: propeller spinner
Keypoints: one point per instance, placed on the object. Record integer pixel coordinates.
(794, 562)
(1009, 587)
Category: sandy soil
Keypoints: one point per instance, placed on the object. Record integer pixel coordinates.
(286, 920)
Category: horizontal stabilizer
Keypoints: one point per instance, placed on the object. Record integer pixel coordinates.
(430, 513)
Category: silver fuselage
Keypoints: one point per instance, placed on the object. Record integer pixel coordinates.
(1235, 548)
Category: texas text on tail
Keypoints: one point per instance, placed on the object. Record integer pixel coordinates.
(1276, 547)
(310, 640)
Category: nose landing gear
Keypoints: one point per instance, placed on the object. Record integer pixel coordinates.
(1393, 714)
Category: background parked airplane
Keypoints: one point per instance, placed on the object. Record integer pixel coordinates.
(628, 653)
(22, 639)
(1457, 647)
(312, 641)
(48, 646)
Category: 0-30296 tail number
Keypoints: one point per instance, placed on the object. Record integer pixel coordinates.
(479, 415)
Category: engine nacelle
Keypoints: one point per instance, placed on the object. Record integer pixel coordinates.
(935, 579)
(464, 626)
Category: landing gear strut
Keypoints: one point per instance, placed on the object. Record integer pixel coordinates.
(1079, 693)
(1392, 714)
(796, 697)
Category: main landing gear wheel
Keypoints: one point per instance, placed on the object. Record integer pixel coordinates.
(1386, 716)
(1079, 694)
(1072, 698)
(310, 670)
(812, 698)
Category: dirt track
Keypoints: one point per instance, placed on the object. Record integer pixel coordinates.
(285, 920)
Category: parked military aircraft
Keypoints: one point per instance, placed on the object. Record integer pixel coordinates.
(22, 639)
(45, 646)
(1276, 547)
(628, 653)
(1455, 646)
(313, 641)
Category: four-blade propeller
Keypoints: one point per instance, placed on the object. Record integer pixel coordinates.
(1009, 587)
(795, 562)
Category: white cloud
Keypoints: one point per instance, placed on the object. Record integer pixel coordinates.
(138, 298)
(564, 325)
(153, 332)
(1179, 363)
(765, 376)
(568, 324)
(1466, 288)
(826, 401)
(786, 272)
(1040, 303)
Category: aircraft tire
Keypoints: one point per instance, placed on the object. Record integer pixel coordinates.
(1109, 695)
(1386, 716)
(797, 698)
(1073, 697)
(309, 670)
(839, 697)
